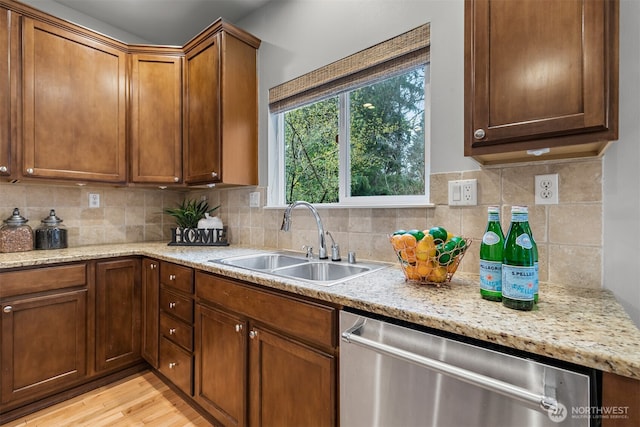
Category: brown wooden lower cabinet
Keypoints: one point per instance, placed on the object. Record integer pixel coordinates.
(118, 313)
(221, 365)
(291, 384)
(44, 343)
(150, 310)
(620, 400)
(256, 361)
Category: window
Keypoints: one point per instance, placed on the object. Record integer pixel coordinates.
(360, 139)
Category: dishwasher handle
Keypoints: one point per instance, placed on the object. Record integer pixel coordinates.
(547, 403)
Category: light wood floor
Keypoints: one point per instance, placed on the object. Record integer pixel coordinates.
(139, 400)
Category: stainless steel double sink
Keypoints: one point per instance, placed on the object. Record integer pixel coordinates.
(297, 266)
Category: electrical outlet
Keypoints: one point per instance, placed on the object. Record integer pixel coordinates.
(94, 200)
(546, 189)
(463, 192)
(254, 199)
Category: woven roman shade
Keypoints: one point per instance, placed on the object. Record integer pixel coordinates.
(391, 57)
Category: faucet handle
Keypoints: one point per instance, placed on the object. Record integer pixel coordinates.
(309, 250)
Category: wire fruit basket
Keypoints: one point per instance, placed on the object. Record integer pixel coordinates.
(427, 261)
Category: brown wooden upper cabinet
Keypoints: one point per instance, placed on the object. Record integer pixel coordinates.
(540, 75)
(8, 51)
(73, 105)
(220, 107)
(156, 118)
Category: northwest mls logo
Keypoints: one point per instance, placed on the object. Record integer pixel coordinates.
(558, 414)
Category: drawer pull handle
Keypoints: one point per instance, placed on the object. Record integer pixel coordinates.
(172, 331)
(7, 309)
(253, 334)
(172, 365)
(172, 305)
(238, 327)
(172, 277)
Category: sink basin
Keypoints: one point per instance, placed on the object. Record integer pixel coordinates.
(297, 266)
(321, 271)
(264, 261)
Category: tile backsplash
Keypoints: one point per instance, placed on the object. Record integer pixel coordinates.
(569, 234)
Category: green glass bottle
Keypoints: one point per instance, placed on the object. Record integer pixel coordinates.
(491, 254)
(535, 263)
(518, 266)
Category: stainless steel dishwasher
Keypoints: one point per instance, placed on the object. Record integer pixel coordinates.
(396, 376)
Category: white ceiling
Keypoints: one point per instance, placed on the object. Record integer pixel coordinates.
(170, 22)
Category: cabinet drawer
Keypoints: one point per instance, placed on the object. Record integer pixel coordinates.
(307, 320)
(176, 331)
(178, 305)
(176, 276)
(42, 279)
(176, 364)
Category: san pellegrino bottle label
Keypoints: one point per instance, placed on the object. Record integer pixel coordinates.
(491, 276)
(490, 238)
(524, 241)
(518, 283)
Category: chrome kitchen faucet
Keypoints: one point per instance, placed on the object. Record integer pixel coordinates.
(286, 223)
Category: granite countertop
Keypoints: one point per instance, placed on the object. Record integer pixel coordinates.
(587, 327)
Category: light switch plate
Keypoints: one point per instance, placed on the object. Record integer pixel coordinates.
(94, 200)
(463, 192)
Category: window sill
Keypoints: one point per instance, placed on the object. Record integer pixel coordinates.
(369, 206)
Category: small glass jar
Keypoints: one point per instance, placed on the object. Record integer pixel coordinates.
(15, 234)
(51, 234)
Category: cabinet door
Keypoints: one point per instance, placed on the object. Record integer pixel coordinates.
(44, 343)
(202, 152)
(540, 70)
(8, 75)
(74, 105)
(221, 365)
(283, 370)
(150, 310)
(5, 90)
(117, 313)
(156, 119)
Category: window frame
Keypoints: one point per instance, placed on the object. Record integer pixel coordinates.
(390, 58)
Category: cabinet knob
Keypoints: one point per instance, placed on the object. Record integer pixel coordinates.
(238, 327)
(172, 305)
(153, 266)
(3, 169)
(7, 309)
(253, 334)
(213, 174)
(172, 365)
(176, 179)
(172, 277)
(479, 134)
(172, 331)
(30, 171)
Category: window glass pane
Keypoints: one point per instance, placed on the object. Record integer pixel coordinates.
(311, 152)
(387, 137)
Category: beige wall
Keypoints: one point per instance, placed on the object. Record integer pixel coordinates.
(125, 214)
(569, 235)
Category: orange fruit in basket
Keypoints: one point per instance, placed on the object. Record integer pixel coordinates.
(408, 254)
(408, 240)
(396, 242)
(438, 274)
(411, 272)
(423, 268)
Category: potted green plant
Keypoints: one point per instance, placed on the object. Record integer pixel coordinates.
(187, 215)
(189, 212)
